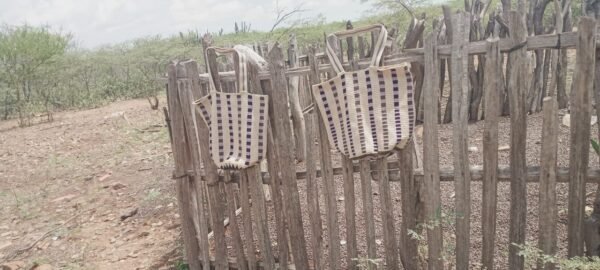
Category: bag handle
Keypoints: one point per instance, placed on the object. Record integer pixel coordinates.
(241, 71)
(378, 48)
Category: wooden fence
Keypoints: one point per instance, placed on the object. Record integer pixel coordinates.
(299, 226)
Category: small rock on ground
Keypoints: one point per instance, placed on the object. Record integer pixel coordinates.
(43, 267)
(129, 213)
(14, 265)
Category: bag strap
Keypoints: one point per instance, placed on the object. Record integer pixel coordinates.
(378, 48)
(241, 71)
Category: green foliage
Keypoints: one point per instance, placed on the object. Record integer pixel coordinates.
(181, 265)
(596, 146)
(27, 58)
(365, 263)
(441, 219)
(534, 257)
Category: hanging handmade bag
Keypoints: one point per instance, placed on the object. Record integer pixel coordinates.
(369, 111)
(237, 122)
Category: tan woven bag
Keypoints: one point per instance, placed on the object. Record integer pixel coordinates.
(237, 122)
(370, 111)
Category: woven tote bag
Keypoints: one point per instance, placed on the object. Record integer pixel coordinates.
(237, 122)
(369, 111)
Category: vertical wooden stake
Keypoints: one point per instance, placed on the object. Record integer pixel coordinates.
(517, 91)
(431, 163)
(182, 159)
(410, 213)
(350, 212)
(460, 114)
(295, 108)
(581, 107)
(387, 213)
(260, 215)
(367, 198)
(548, 212)
(492, 88)
(247, 221)
(191, 117)
(236, 238)
(276, 182)
(312, 190)
(279, 118)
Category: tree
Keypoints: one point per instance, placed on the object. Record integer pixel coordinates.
(24, 51)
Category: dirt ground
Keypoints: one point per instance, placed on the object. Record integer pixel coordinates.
(66, 187)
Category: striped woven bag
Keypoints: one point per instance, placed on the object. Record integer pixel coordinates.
(237, 122)
(370, 111)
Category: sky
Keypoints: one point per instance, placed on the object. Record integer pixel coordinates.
(99, 22)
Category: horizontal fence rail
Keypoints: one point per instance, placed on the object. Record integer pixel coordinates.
(565, 40)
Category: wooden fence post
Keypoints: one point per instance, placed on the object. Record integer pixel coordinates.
(295, 108)
(215, 193)
(460, 114)
(492, 88)
(410, 200)
(182, 160)
(431, 163)
(186, 98)
(517, 91)
(548, 212)
(312, 190)
(581, 107)
(276, 182)
(279, 118)
(329, 194)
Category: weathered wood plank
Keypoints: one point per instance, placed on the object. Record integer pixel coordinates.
(247, 221)
(431, 164)
(492, 88)
(215, 194)
(350, 213)
(517, 91)
(312, 190)
(460, 114)
(387, 216)
(236, 238)
(547, 188)
(182, 160)
(260, 216)
(581, 100)
(190, 117)
(279, 118)
(410, 211)
(329, 190)
(330, 198)
(367, 198)
(217, 210)
(295, 108)
(348, 175)
(276, 184)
